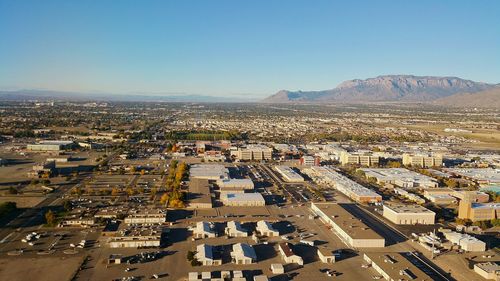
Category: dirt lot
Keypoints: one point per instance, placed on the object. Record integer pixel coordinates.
(40, 269)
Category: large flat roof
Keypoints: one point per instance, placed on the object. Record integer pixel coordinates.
(244, 197)
(398, 267)
(406, 208)
(199, 191)
(347, 221)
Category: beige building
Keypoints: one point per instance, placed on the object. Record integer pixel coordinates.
(326, 255)
(242, 199)
(424, 161)
(395, 267)
(243, 254)
(478, 211)
(488, 270)
(288, 255)
(408, 214)
(366, 159)
(349, 228)
(206, 255)
(253, 153)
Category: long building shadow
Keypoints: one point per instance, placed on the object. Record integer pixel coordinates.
(391, 236)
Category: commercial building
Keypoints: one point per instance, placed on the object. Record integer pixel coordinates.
(206, 255)
(204, 230)
(363, 159)
(395, 267)
(440, 196)
(350, 229)
(408, 214)
(483, 176)
(253, 152)
(326, 255)
(288, 174)
(199, 195)
(478, 211)
(288, 255)
(242, 199)
(410, 196)
(51, 145)
(424, 161)
(465, 241)
(488, 270)
(235, 185)
(307, 160)
(401, 177)
(277, 268)
(208, 172)
(471, 196)
(265, 228)
(351, 189)
(234, 229)
(243, 254)
(137, 237)
(146, 217)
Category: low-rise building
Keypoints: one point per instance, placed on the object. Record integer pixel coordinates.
(234, 229)
(288, 174)
(326, 255)
(307, 160)
(51, 145)
(465, 241)
(204, 230)
(354, 232)
(207, 256)
(265, 228)
(401, 177)
(146, 217)
(242, 199)
(471, 196)
(288, 255)
(243, 254)
(327, 175)
(395, 267)
(199, 195)
(137, 237)
(408, 214)
(277, 268)
(235, 185)
(488, 270)
(208, 172)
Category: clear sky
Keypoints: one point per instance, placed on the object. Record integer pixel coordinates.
(238, 47)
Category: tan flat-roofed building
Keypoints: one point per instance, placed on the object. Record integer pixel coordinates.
(395, 267)
(351, 229)
(424, 161)
(408, 214)
(363, 159)
(488, 270)
(199, 196)
(478, 211)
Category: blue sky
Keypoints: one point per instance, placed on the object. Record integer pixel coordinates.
(239, 48)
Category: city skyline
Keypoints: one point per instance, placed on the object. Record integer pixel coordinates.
(240, 49)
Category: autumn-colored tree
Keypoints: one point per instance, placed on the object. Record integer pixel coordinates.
(164, 199)
(130, 191)
(115, 191)
(50, 218)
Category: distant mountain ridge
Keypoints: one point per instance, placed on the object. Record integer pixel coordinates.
(387, 88)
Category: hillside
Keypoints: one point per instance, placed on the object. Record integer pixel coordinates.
(488, 98)
(389, 88)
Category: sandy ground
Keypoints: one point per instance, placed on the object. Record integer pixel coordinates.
(39, 269)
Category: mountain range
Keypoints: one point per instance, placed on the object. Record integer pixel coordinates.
(393, 88)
